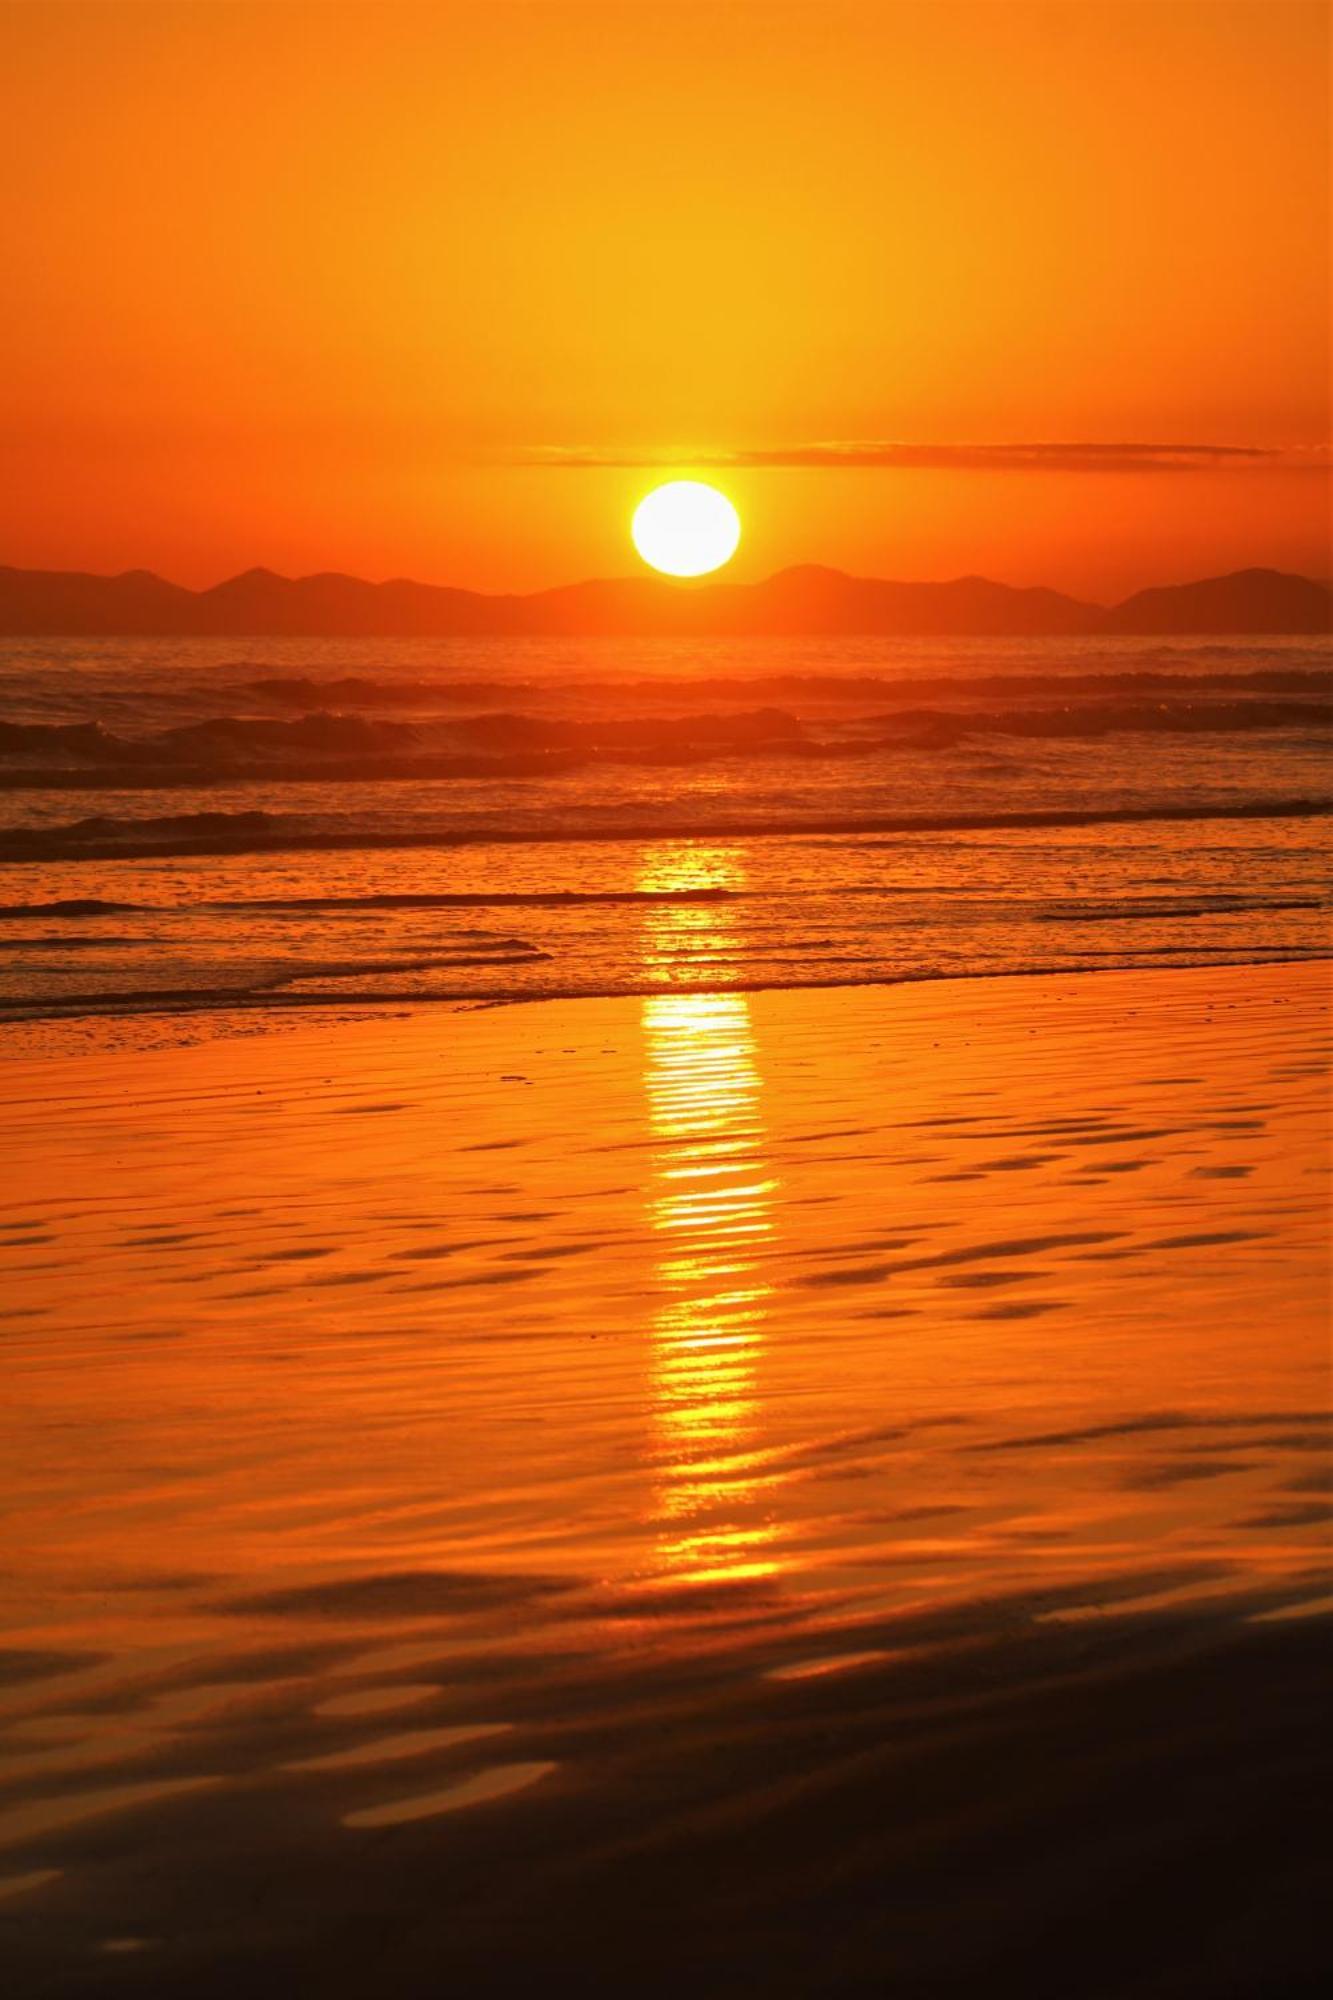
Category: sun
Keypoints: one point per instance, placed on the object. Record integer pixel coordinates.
(686, 528)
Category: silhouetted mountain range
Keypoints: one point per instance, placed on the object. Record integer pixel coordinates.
(804, 601)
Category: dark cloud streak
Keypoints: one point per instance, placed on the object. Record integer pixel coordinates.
(851, 454)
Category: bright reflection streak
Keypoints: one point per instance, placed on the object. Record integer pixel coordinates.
(712, 1202)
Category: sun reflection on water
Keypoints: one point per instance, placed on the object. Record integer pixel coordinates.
(712, 1202)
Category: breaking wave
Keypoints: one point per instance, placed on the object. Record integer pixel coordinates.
(108, 837)
(305, 691)
(328, 824)
(328, 745)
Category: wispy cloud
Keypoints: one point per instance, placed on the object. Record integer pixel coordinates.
(848, 453)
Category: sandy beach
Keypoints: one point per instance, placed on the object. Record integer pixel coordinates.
(825, 1490)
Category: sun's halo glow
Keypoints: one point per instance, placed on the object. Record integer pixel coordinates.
(686, 528)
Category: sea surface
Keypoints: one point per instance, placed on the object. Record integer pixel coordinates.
(223, 824)
(709, 1487)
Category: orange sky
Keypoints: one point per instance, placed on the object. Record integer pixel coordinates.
(343, 286)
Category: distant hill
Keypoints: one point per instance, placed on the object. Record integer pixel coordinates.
(1249, 600)
(805, 601)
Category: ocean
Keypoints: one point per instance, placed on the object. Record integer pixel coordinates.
(225, 825)
(717, 1488)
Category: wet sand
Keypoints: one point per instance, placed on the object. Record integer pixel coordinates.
(818, 1492)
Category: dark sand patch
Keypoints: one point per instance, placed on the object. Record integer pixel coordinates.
(986, 1279)
(1028, 1309)
(1205, 1238)
(429, 1251)
(942, 1821)
(850, 1274)
(18, 1665)
(1315, 1514)
(1174, 1420)
(409, 1594)
(1178, 1472)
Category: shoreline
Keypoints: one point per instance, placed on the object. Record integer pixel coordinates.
(179, 1006)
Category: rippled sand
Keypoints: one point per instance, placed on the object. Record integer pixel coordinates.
(816, 1491)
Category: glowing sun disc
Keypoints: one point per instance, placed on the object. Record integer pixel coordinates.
(686, 528)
